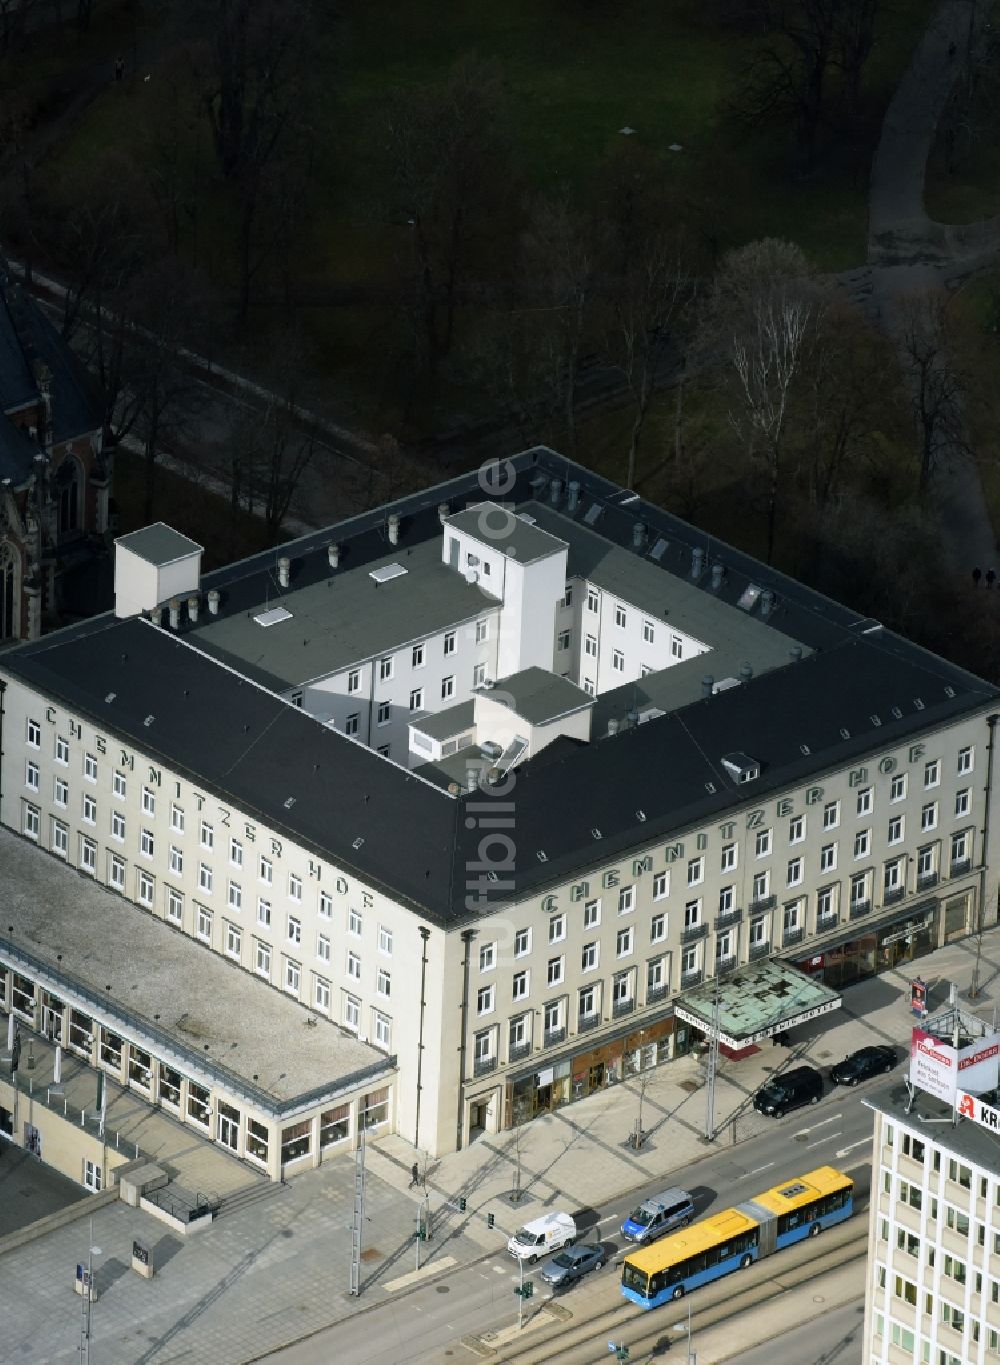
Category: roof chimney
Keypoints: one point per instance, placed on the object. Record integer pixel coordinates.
(766, 602)
(746, 673)
(574, 495)
(718, 573)
(175, 613)
(638, 536)
(444, 511)
(707, 684)
(213, 601)
(697, 562)
(193, 602)
(393, 528)
(555, 492)
(333, 555)
(284, 567)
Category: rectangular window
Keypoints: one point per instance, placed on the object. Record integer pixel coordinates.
(323, 948)
(60, 791)
(862, 844)
(325, 905)
(448, 687)
(589, 957)
(354, 966)
(484, 1000)
(353, 681)
(487, 956)
(417, 658)
(828, 858)
(522, 942)
(897, 790)
(658, 928)
(727, 899)
(384, 713)
(866, 800)
(963, 801)
(116, 872)
(293, 976)
(31, 775)
(88, 855)
(520, 985)
(34, 734)
(205, 878)
(354, 922)
(556, 970)
(563, 639)
(321, 994)
(965, 759)
(235, 853)
(148, 801)
(478, 675)
(294, 931)
(796, 830)
(449, 643)
(728, 859)
(204, 929)
(591, 914)
(176, 860)
(352, 1013)
(626, 900)
(762, 845)
(590, 646)
(117, 826)
(31, 820)
(623, 942)
(831, 815)
(262, 958)
(384, 669)
(207, 835)
(618, 661)
(295, 887)
(385, 940)
(146, 889)
(383, 1029)
(383, 982)
(62, 749)
(932, 773)
(929, 816)
(696, 871)
(692, 914)
(482, 631)
(175, 905)
(265, 871)
(176, 816)
(648, 633)
(661, 885)
(593, 599)
(895, 834)
(351, 723)
(234, 939)
(263, 911)
(416, 698)
(90, 767)
(676, 647)
(557, 928)
(60, 838)
(589, 687)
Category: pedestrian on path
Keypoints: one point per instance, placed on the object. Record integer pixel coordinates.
(991, 578)
(976, 576)
(414, 1176)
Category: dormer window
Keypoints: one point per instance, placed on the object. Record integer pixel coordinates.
(741, 767)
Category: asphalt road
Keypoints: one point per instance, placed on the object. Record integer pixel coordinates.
(426, 1324)
(830, 1338)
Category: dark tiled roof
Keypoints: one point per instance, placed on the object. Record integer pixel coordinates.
(863, 691)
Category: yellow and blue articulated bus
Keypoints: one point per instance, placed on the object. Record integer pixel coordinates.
(736, 1237)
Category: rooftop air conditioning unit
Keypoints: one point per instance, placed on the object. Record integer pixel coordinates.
(491, 749)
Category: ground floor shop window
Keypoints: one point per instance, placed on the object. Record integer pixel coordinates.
(296, 1141)
(228, 1120)
(257, 1140)
(140, 1067)
(23, 997)
(111, 1050)
(170, 1086)
(375, 1107)
(334, 1125)
(81, 1033)
(92, 1176)
(199, 1104)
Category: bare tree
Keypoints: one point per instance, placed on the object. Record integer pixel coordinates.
(925, 336)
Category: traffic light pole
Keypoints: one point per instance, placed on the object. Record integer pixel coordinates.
(520, 1295)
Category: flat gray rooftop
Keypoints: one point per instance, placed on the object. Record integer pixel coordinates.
(453, 720)
(159, 544)
(965, 1139)
(538, 696)
(345, 618)
(517, 537)
(208, 1010)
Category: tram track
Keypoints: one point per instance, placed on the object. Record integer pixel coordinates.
(646, 1333)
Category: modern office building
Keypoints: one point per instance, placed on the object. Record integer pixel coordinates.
(933, 1293)
(493, 777)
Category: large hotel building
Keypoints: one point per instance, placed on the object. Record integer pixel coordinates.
(490, 783)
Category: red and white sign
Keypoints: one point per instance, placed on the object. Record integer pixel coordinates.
(936, 1066)
(972, 1107)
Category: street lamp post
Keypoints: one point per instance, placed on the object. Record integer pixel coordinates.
(88, 1292)
(686, 1327)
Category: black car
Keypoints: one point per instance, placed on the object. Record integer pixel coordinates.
(572, 1264)
(802, 1085)
(867, 1061)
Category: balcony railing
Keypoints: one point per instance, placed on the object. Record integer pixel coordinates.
(587, 1021)
(792, 936)
(554, 1036)
(621, 1007)
(518, 1051)
(689, 979)
(960, 866)
(860, 908)
(925, 880)
(482, 1066)
(725, 965)
(694, 932)
(723, 921)
(892, 894)
(763, 903)
(824, 923)
(759, 950)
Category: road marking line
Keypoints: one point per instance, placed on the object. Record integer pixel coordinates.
(757, 1169)
(865, 1142)
(822, 1124)
(830, 1137)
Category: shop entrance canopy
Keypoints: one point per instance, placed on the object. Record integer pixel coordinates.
(756, 1002)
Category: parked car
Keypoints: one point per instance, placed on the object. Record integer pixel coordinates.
(570, 1266)
(542, 1235)
(876, 1060)
(670, 1209)
(802, 1085)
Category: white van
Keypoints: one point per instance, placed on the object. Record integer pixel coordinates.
(542, 1235)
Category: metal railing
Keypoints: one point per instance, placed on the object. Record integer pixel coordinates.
(893, 894)
(728, 918)
(694, 932)
(725, 965)
(553, 1037)
(960, 866)
(860, 908)
(654, 994)
(765, 903)
(792, 936)
(518, 1052)
(622, 1007)
(689, 979)
(925, 880)
(825, 922)
(482, 1066)
(758, 950)
(585, 1022)
(53, 1098)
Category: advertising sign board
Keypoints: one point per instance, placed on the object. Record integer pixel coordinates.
(937, 1067)
(972, 1107)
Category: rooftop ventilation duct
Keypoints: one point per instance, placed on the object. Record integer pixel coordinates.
(555, 492)
(444, 511)
(574, 495)
(707, 684)
(393, 528)
(333, 555)
(638, 536)
(539, 482)
(174, 606)
(766, 602)
(697, 562)
(213, 601)
(718, 574)
(284, 570)
(193, 605)
(612, 726)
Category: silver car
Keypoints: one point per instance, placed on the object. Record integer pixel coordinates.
(572, 1264)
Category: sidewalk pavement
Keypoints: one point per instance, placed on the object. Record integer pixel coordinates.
(578, 1156)
(276, 1268)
